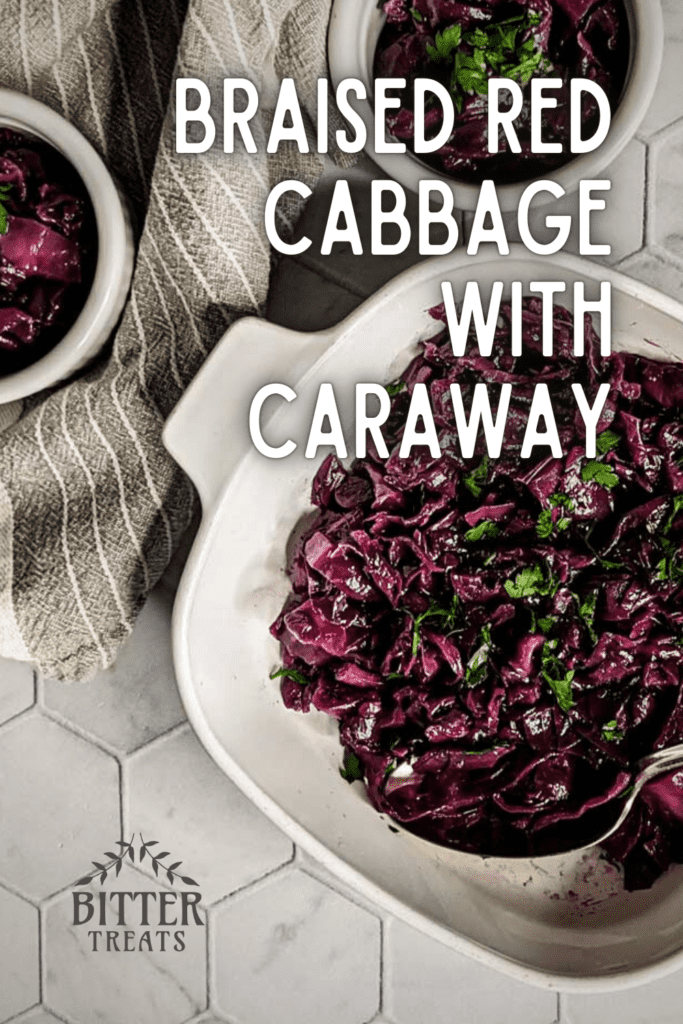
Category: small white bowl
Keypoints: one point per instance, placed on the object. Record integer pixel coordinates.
(355, 26)
(115, 249)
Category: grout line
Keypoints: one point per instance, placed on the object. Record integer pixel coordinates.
(30, 712)
(666, 256)
(207, 943)
(560, 996)
(33, 901)
(121, 791)
(39, 689)
(41, 958)
(59, 1015)
(665, 131)
(178, 728)
(326, 876)
(211, 989)
(159, 736)
(77, 730)
(646, 198)
(285, 868)
(380, 1010)
(17, 1018)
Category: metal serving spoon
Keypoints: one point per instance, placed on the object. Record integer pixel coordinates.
(648, 768)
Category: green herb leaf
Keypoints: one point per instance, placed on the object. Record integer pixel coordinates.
(611, 732)
(486, 528)
(600, 473)
(606, 441)
(435, 610)
(507, 48)
(561, 501)
(4, 216)
(445, 43)
(477, 39)
(668, 569)
(562, 688)
(396, 388)
(528, 582)
(416, 14)
(290, 673)
(587, 613)
(677, 507)
(544, 526)
(477, 666)
(546, 624)
(557, 676)
(352, 769)
(474, 481)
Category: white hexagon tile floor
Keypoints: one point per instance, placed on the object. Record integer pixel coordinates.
(276, 939)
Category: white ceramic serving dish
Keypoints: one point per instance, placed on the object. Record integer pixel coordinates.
(354, 29)
(115, 249)
(564, 922)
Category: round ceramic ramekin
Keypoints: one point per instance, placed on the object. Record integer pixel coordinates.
(115, 249)
(355, 26)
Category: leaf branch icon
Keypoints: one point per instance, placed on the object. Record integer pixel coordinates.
(156, 859)
(115, 861)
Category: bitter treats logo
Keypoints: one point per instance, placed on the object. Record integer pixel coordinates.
(143, 920)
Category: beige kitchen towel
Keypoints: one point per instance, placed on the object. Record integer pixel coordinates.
(91, 505)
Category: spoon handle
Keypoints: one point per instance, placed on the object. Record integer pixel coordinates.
(661, 761)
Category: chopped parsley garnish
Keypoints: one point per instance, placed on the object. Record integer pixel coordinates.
(600, 473)
(396, 388)
(290, 673)
(486, 528)
(474, 481)
(4, 216)
(557, 676)
(668, 569)
(587, 613)
(611, 732)
(352, 769)
(415, 14)
(606, 441)
(477, 666)
(545, 525)
(435, 610)
(505, 49)
(677, 507)
(444, 43)
(561, 501)
(530, 581)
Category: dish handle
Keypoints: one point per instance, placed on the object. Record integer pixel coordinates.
(208, 431)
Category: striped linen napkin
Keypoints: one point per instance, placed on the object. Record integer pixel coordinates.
(91, 505)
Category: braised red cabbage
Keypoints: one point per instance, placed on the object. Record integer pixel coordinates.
(461, 45)
(500, 640)
(47, 248)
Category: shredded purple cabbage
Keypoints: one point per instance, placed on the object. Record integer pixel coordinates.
(577, 38)
(500, 640)
(47, 253)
